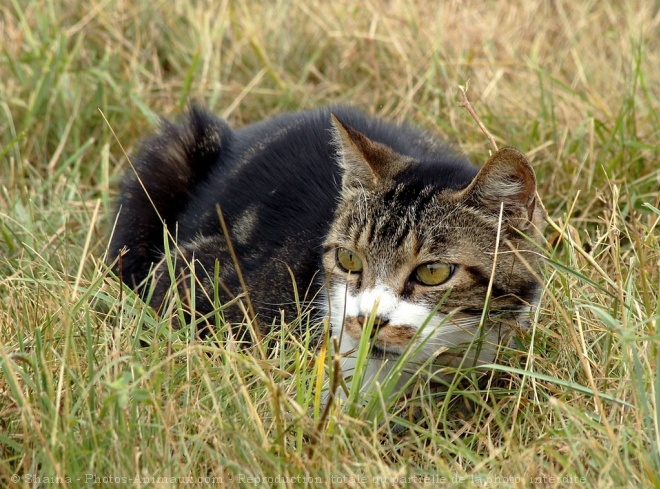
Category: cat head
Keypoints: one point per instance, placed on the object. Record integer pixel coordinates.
(424, 259)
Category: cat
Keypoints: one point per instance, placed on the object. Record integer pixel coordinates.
(384, 228)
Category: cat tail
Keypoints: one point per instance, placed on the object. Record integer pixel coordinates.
(164, 175)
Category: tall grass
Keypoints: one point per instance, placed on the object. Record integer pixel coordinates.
(95, 387)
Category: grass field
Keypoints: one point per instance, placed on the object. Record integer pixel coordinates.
(572, 84)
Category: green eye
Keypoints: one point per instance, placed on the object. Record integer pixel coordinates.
(433, 273)
(348, 260)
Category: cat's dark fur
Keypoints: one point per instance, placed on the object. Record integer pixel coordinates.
(299, 190)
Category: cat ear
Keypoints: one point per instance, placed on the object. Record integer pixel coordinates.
(506, 179)
(365, 163)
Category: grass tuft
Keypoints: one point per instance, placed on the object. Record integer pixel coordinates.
(96, 388)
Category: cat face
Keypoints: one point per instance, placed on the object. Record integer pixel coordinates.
(414, 265)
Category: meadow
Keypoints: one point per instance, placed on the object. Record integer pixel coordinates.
(95, 388)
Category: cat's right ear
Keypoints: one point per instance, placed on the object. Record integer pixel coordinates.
(365, 163)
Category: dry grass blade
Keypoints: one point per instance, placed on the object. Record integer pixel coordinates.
(94, 384)
(465, 102)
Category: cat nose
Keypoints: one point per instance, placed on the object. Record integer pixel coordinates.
(379, 322)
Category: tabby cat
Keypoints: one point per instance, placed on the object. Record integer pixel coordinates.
(381, 227)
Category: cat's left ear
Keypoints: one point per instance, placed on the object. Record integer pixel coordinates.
(365, 163)
(507, 181)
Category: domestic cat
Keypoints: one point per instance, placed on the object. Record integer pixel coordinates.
(378, 226)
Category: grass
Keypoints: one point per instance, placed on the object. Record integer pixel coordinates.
(573, 84)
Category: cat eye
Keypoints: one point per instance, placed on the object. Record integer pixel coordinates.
(348, 260)
(433, 273)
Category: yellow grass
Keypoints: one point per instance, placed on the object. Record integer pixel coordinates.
(573, 84)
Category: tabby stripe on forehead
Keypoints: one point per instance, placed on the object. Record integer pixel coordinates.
(369, 229)
(408, 198)
(410, 195)
(392, 230)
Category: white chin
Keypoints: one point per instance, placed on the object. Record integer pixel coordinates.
(438, 338)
